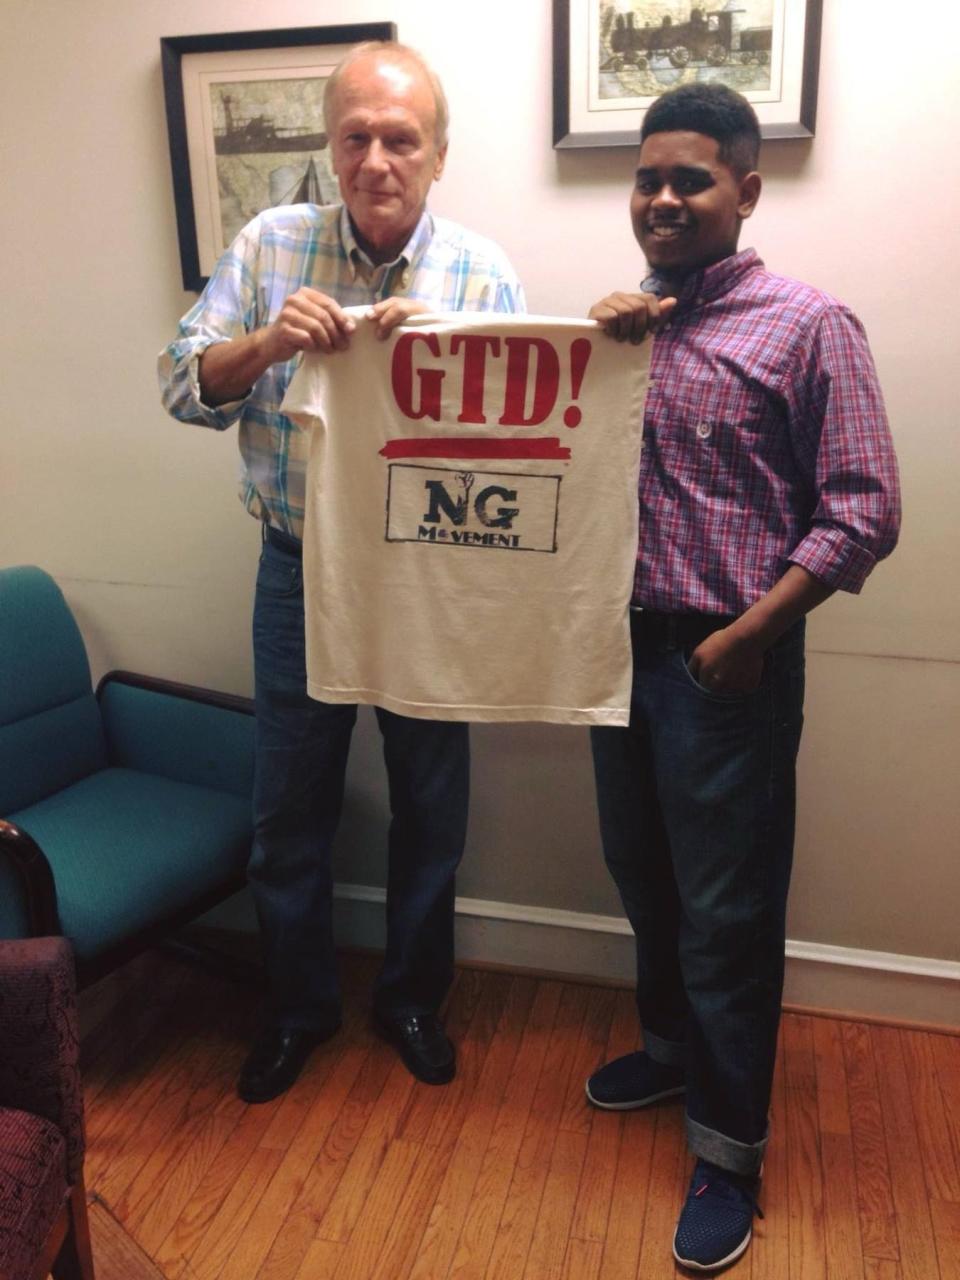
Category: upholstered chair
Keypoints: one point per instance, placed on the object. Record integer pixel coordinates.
(43, 1212)
(125, 812)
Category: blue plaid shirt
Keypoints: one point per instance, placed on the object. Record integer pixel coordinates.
(280, 251)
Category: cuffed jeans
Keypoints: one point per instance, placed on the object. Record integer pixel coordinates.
(697, 802)
(301, 757)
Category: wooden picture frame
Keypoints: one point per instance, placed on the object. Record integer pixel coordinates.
(611, 61)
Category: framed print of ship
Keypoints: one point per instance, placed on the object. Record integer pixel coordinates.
(246, 128)
(612, 58)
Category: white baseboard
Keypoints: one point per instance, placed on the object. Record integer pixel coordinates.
(875, 984)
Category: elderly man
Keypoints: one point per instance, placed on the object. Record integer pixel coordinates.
(278, 291)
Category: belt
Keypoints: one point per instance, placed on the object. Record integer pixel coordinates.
(282, 541)
(674, 630)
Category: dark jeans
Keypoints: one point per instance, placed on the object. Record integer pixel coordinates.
(696, 802)
(301, 759)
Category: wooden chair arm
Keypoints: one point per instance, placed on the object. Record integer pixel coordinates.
(32, 870)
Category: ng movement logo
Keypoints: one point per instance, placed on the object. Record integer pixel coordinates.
(472, 508)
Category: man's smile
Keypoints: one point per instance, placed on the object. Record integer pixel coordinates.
(667, 230)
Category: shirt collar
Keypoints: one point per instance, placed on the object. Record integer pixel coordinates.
(409, 255)
(710, 283)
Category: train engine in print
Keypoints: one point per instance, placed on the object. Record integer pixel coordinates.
(708, 38)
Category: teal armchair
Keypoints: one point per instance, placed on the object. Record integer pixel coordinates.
(124, 813)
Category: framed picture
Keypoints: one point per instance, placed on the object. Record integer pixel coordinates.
(612, 58)
(245, 119)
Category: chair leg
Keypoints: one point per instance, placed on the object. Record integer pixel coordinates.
(75, 1259)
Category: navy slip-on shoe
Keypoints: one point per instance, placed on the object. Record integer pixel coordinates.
(716, 1221)
(635, 1080)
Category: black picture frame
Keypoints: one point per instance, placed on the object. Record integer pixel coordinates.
(573, 124)
(173, 49)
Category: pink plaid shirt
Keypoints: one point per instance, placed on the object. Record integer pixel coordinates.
(765, 444)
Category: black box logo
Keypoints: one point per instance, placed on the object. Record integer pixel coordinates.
(472, 508)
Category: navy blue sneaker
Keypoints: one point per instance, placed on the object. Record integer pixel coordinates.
(716, 1221)
(634, 1080)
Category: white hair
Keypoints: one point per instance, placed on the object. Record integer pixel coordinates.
(393, 51)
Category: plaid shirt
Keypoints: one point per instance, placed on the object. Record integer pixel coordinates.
(765, 444)
(280, 251)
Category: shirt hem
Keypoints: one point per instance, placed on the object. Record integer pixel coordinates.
(616, 717)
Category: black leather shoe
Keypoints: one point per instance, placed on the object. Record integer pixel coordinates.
(426, 1051)
(276, 1059)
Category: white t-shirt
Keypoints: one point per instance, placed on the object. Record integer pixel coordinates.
(471, 518)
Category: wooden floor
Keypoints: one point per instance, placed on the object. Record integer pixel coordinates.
(360, 1173)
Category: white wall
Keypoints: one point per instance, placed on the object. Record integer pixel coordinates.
(137, 519)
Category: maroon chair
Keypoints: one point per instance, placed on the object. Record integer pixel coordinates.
(43, 1211)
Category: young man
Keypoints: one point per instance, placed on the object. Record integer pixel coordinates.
(279, 290)
(768, 481)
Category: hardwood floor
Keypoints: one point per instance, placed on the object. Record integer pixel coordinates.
(361, 1173)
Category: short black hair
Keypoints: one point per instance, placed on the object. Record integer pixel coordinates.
(714, 110)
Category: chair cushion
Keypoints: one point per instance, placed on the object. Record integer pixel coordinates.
(52, 749)
(33, 1185)
(50, 731)
(128, 849)
(44, 661)
(178, 738)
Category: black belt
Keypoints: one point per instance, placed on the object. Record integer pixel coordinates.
(674, 630)
(282, 541)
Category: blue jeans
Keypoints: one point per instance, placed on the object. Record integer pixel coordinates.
(301, 757)
(696, 802)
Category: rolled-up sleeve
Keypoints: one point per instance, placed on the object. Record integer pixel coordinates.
(843, 442)
(225, 310)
